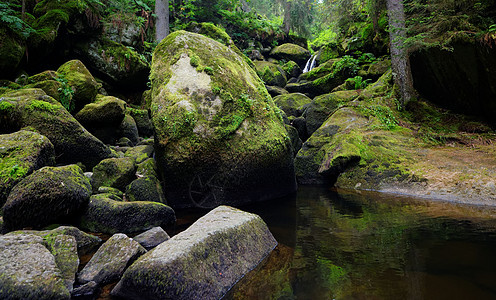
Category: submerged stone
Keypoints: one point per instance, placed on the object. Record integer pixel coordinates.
(203, 262)
(219, 136)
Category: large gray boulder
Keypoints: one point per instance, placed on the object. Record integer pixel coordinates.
(152, 238)
(219, 138)
(203, 262)
(47, 196)
(28, 270)
(21, 153)
(110, 216)
(45, 115)
(109, 262)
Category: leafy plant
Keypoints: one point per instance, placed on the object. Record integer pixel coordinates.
(358, 82)
(66, 93)
(346, 65)
(8, 16)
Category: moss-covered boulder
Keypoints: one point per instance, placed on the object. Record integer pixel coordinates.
(108, 263)
(12, 50)
(82, 82)
(120, 65)
(375, 69)
(64, 249)
(292, 104)
(129, 129)
(106, 110)
(50, 87)
(114, 172)
(295, 138)
(143, 121)
(21, 153)
(320, 71)
(28, 270)
(145, 188)
(48, 195)
(219, 136)
(103, 117)
(331, 149)
(292, 52)
(271, 73)
(292, 69)
(33, 108)
(202, 262)
(275, 90)
(322, 106)
(109, 216)
(86, 243)
(140, 153)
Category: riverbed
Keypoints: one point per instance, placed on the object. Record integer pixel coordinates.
(336, 244)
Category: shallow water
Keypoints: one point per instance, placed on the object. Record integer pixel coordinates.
(344, 245)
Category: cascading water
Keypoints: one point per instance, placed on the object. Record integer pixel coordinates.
(310, 63)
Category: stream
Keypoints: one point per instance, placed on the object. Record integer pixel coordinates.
(346, 245)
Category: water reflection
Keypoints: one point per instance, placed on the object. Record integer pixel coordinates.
(372, 246)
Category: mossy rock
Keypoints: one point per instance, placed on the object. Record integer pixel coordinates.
(12, 51)
(64, 249)
(143, 121)
(52, 194)
(292, 52)
(114, 172)
(50, 87)
(292, 69)
(214, 121)
(129, 129)
(334, 147)
(106, 110)
(33, 108)
(120, 65)
(28, 270)
(226, 241)
(271, 73)
(327, 52)
(86, 243)
(217, 33)
(43, 76)
(320, 71)
(275, 90)
(21, 153)
(109, 216)
(140, 153)
(145, 188)
(295, 138)
(292, 104)
(147, 168)
(323, 106)
(82, 82)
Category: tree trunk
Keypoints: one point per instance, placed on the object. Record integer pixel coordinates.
(287, 17)
(400, 61)
(244, 6)
(162, 25)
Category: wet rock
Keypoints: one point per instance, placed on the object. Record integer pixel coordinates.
(28, 270)
(203, 262)
(215, 123)
(86, 290)
(114, 172)
(295, 138)
(48, 195)
(109, 262)
(109, 216)
(152, 238)
(275, 90)
(21, 153)
(33, 108)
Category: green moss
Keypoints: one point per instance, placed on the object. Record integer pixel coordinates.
(6, 107)
(42, 106)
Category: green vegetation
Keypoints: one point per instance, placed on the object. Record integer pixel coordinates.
(66, 92)
(40, 105)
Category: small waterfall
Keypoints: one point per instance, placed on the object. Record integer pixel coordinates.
(310, 63)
